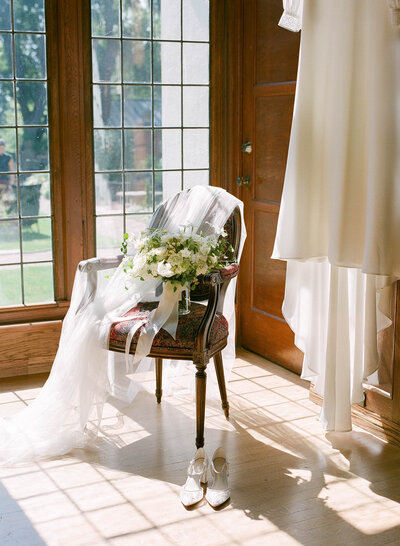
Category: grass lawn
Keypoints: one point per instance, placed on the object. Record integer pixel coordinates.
(35, 237)
(38, 284)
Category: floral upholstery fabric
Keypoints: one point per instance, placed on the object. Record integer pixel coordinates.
(188, 326)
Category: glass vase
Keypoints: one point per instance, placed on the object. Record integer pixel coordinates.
(184, 302)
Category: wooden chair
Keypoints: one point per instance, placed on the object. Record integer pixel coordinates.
(201, 334)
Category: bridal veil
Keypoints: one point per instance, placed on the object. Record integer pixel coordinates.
(67, 412)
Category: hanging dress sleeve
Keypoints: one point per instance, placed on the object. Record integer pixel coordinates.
(394, 6)
(292, 15)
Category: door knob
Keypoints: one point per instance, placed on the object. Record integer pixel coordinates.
(243, 181)
(247, 147)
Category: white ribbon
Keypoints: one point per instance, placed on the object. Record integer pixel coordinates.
(164, 316)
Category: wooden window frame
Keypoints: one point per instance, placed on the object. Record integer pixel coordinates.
(68, 62)
(29, 334)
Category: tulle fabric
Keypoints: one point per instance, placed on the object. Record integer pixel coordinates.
(67, 412)
(340, 215)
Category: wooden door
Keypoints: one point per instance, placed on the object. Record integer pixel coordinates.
(270, 56)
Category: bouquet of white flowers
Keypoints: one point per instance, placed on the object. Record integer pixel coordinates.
(177, 258)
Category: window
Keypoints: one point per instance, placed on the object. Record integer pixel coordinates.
(104, 110)
(26, 255)
(150, 88)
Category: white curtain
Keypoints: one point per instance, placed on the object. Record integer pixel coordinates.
(339, 222)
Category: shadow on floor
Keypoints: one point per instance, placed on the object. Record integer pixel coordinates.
(286, 483)
(15, 527)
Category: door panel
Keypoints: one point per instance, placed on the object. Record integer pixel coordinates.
(267, 274)
(273, 118)
(269, 69)
(275, 61)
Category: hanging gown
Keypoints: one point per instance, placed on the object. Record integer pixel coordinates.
(339, 222)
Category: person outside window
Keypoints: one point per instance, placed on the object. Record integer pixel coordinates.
(6, 165)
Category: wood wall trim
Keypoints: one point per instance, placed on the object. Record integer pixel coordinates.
(226, 93)
(28, 348)
(34, 313)
(368, 420)
(75, 116)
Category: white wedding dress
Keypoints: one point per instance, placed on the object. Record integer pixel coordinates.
(339, 222)
(67, 412)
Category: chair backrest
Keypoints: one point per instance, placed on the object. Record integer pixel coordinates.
(232, 226)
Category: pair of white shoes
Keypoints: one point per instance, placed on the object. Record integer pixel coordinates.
(199, 472)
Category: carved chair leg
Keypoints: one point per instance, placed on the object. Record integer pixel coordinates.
(201, 378)
(219, 369)
(158, 379)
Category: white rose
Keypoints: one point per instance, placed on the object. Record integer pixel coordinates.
(185, 253)
(165, 269)
(202, 270)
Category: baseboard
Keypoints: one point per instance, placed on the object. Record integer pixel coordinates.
(27, 349)
(369, 421)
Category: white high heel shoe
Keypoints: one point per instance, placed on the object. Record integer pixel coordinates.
(218, 491)
(192, 491)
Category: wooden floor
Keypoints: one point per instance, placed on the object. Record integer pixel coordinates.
(290, 482)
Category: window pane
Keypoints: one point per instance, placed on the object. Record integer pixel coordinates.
(167, 149)
(25, 193)
(7, 105)
(30, 56)
(137, 222)
(166, 184)
(136, 62)
(5, 15)
(103, 70)
(167, 19)
(36, 240)
(136, 20)
(196, 20)
(167, 62)
(32, 103)
(155, 106)
(33, 149)
(105, 18)
(107, 105)
(138, 149)
(29, 15)
(109, 231)
(167, 106)
(195, 149)
(107, 150)
(10, 285)
(108, 193)
(195, 107)
(139, 192)
(137, 106)
(6, 56)
(34, 194)
(195, 178)
(9, 242)
(38, 283)
(196, 63)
